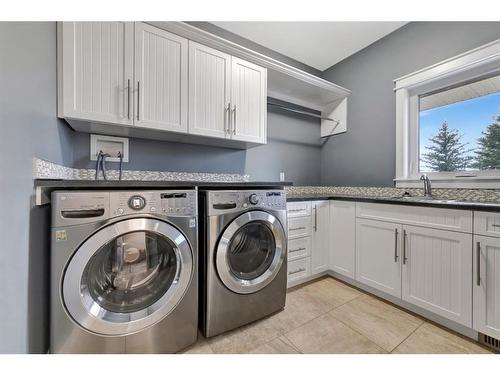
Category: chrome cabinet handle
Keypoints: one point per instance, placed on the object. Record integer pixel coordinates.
(478, 263)
(298, 228)
(138, 100)
(396, 245)
(234, 119)
(128, 99)
(315, 219)
(227, 119)
(297, 271)
(295, 250)
(405, 259)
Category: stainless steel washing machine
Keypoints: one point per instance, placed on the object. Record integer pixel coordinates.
(124, 275)
(243, 257)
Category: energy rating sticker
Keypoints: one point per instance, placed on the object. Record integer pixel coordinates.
(61, 235)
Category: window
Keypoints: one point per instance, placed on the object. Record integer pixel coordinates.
(448, 122)
(459, 128)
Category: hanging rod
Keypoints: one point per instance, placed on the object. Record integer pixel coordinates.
(302, 112)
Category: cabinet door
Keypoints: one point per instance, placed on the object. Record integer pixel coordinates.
(378, 246)
(343, 237)
(320, 237)
(437, 272)
(209, 90)
(161, 79)
(95, 63)
(248, 101)
(486, 283)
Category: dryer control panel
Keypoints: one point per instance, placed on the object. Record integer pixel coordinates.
(222, 202)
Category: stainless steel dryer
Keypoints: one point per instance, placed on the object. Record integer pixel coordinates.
(123, 271)
(243, 258)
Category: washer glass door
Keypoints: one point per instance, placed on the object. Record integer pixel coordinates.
(127, 276)
(251, 251)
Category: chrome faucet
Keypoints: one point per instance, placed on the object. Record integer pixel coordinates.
(427, 186)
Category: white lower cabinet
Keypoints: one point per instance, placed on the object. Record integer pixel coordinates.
(299, 244)
(299, 248)
(432, 259)
(343, 237)
(320, 237)
(486, 281)
(298, 269)
(437, 272)
(378, 248)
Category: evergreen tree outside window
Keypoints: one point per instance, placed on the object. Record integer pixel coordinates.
(488, 152)
(461, 136)
(447, 153)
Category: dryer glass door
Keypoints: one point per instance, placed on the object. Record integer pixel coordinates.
(127, 276)
(251, 252)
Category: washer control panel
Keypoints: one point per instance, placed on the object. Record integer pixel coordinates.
(170, 203)
(225, 201)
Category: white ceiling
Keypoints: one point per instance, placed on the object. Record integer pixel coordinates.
(317, 44)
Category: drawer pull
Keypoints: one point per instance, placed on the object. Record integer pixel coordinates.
(297, 271)
(495, 225)
(297, 210)
(298, 228)
(298, 249)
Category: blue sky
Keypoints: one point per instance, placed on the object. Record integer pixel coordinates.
(470, 117)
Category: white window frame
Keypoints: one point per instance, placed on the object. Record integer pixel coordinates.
(465, 67)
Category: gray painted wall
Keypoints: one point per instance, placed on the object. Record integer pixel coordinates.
(365, 155)
(28, 127)
(293, 147)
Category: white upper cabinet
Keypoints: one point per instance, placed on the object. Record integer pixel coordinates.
(112, 74)
(343, 237)
(437, 272)
(378, 253)
(320, 237)
(161, 79)
(209, 91)
(248, 101)
(95, 62)
(486, 281)
(227, 96)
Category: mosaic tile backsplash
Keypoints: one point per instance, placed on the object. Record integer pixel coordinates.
(472, 195)
(50, 171)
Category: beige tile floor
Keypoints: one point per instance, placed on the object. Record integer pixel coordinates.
(328, 316)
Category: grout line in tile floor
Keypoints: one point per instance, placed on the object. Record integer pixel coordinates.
(407, 337)
(348, 326)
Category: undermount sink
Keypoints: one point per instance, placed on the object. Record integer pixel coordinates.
(425, 199)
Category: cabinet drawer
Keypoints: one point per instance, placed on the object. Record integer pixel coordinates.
(438, 218)
(299, 248)
(299, 227)
(299, 269)
(487, 223)
(295, 209)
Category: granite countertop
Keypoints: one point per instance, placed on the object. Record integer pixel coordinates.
(99, 184)
(447, 198)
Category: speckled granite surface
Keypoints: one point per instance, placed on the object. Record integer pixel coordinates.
(466, 195)
(43, 169)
